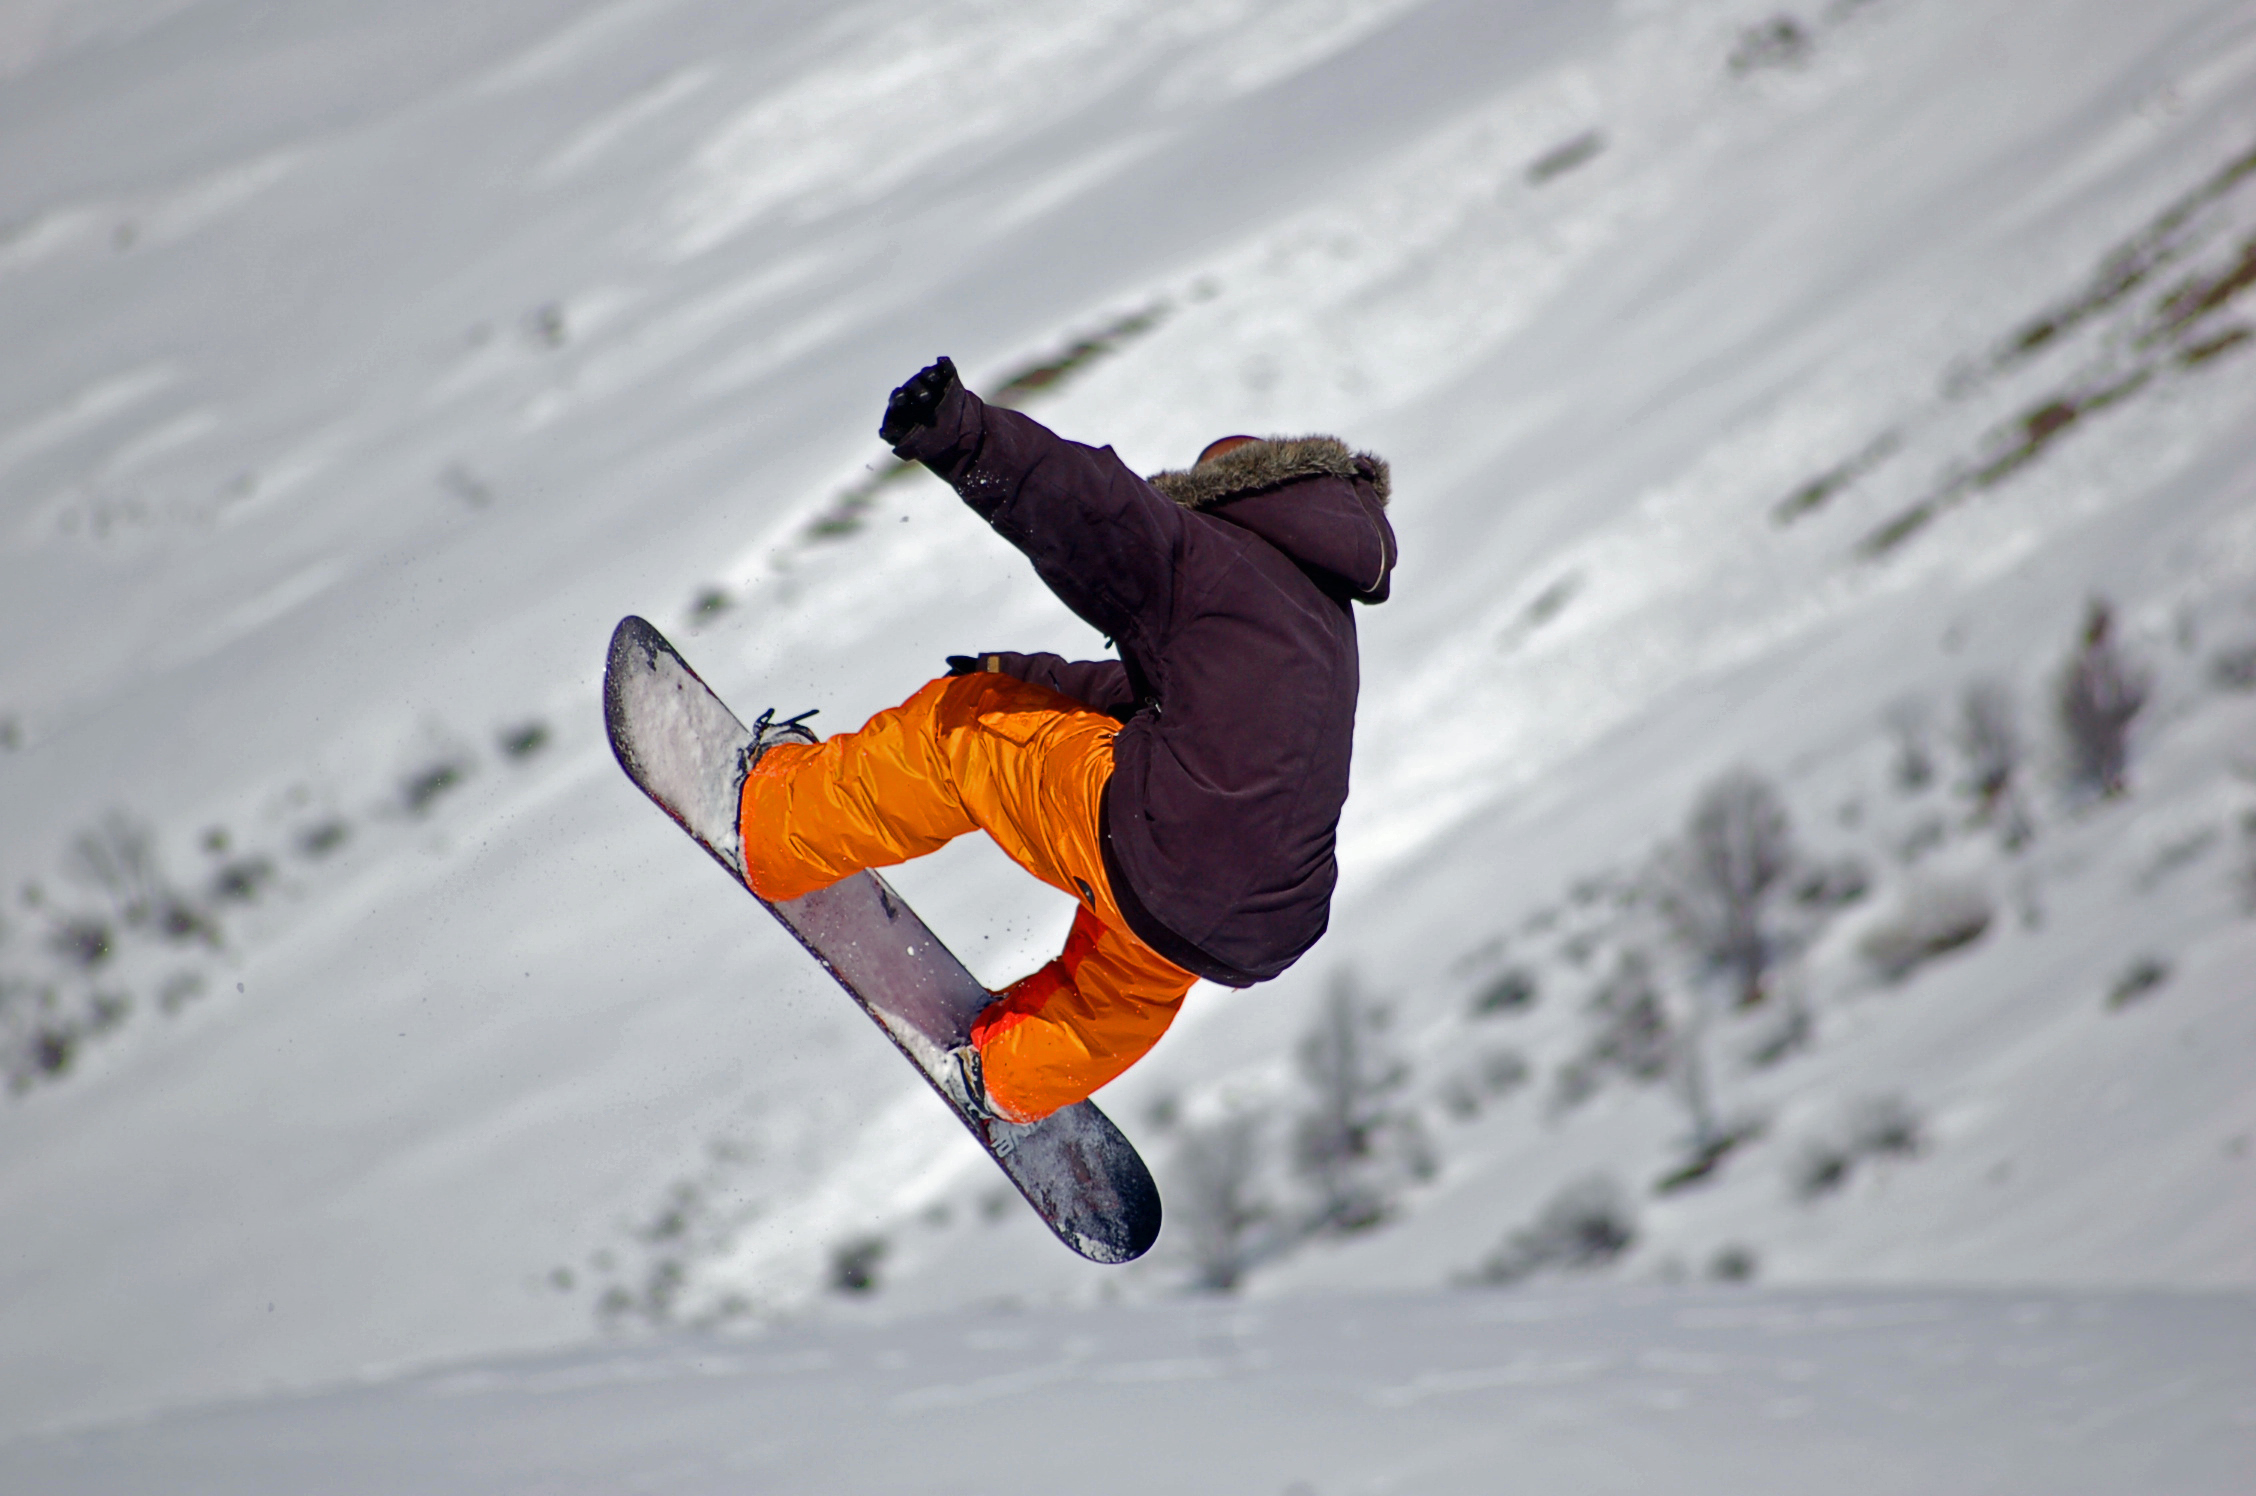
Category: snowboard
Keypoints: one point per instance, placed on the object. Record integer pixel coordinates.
(686, 750)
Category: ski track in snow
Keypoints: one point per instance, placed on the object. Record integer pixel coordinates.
(367, 371)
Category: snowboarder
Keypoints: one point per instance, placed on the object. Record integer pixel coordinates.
(1187, 794)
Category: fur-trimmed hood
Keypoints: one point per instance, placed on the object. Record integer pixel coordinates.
(1272, 462)
(1311, 497)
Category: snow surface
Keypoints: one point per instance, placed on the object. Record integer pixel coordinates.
(368, 363)
(1721, 1392)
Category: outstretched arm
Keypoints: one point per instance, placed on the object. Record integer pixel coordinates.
(1101, 538)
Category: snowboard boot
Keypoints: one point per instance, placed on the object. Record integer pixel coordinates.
(767, 732)
(962, 1078)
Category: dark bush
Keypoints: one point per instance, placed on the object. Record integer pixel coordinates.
(1586, 1226)
(1933, 920)
(423, 788)
(1832, 885)
(180, 920)
(1710, 1147)
(2234, 669)
(1876, 1127)
(1734, 1264)
(83, 941)
(1885, 1126)
(1821, 1168)
(52, 1050)
(2138, 981)
(524, 740)
(1512, 991)
(323, 837)
(1779, 42)
(1565, 157)
(241, 880)
(854, 1263)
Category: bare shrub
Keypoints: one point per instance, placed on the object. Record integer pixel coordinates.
(1584, 1227)
(1718, 886)
(1634, 1036)
(118, 857)
(1217, 1205)
(1933, 920)
(1483, 1080)
(1355, 1142)
(1989, 740)
(2100, 694)
(1631, 1035)
(1875, 1127)
(1911, 733)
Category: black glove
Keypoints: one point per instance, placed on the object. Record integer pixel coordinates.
(970, 664)
(917, 403)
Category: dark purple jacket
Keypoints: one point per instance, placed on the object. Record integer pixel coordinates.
(1226, 589)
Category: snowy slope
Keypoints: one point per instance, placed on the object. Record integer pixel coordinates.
(370, 364)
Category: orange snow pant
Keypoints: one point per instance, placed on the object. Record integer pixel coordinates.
(1026, 765)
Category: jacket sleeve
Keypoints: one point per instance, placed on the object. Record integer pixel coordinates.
(1102, 684)
(1099, 536)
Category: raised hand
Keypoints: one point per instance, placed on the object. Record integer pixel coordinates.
(916, 403)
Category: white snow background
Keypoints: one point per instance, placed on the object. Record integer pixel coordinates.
(467, 1131)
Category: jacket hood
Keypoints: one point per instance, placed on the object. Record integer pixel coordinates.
(1311, 497)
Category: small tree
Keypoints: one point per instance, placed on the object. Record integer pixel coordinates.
(1217, 1205)
(1719, 887)
(1356, 1142)
(2100, 694)
(1634, 1037)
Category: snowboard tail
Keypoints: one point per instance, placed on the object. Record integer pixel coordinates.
(687, 751)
